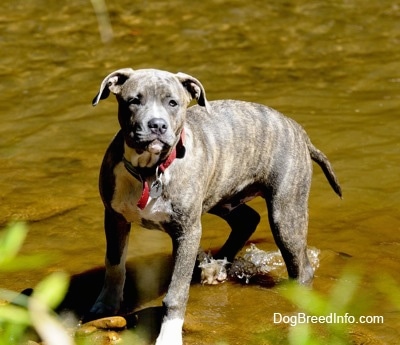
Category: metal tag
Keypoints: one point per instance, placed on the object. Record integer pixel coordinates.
(156, 188)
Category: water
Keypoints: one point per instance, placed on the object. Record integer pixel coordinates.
(333, 66)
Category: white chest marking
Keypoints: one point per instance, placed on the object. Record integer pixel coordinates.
(127, 193)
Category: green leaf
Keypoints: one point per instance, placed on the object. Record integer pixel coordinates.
(11, 241)
(306, 299)
(23, 263)
(302, 335)
(51, 290)
(14, 314)
(344, 291)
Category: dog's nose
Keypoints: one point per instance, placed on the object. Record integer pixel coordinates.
(158, 126)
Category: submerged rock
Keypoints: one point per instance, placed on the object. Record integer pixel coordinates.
(259, 262)
(243, 269)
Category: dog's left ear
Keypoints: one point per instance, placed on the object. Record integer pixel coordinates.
(195, 89)
(112, 83)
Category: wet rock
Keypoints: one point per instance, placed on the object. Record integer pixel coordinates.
(112, 322)
(267, 262)
(243, 269)
(103, 338)
(85, 330)
(255, 262)
(102, 331)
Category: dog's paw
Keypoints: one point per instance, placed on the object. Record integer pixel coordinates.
(102, 309)
(170, 333)
(98, 311)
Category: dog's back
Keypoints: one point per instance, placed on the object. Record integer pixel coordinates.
(249, 148)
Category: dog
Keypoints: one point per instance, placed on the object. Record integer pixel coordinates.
(170, 163)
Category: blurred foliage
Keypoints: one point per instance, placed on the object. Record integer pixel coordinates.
(20, 313)
(10, 244)
(312, 303)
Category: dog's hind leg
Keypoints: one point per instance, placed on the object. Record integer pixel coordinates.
(243, 221)
(288, 220)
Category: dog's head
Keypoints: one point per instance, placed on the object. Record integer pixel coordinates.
(152, 106)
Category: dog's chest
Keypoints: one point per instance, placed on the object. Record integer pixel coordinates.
(127, 193)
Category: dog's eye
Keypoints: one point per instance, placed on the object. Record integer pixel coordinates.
(135, 100)
(172, 103)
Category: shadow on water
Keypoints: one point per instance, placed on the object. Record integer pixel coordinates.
(147, 278)
(218, 308)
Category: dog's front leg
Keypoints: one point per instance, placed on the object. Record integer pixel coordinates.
(186, 240)
(117, 236)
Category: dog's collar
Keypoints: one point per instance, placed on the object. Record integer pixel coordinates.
(141, 174)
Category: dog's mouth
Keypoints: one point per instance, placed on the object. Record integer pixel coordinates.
(155, 145)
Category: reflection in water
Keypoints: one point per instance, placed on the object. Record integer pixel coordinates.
(332, 66)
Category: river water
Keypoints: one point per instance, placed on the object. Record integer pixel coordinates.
(333, 66)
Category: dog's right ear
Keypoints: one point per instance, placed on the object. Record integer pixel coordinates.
(113, 83)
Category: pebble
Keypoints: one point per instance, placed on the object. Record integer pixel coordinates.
(102, 337)
(112, 322)
(102, 331)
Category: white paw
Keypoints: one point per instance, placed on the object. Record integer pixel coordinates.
(170, 333)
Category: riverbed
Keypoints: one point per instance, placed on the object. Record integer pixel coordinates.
(333, 66)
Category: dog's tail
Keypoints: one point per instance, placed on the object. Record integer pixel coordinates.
(318, 157)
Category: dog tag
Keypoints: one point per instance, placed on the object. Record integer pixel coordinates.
(156, 188)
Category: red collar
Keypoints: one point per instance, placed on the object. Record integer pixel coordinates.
(177, 152)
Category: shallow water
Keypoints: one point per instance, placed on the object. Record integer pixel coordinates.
(333, 66)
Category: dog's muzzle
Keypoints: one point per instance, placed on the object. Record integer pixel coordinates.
(153, 139)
